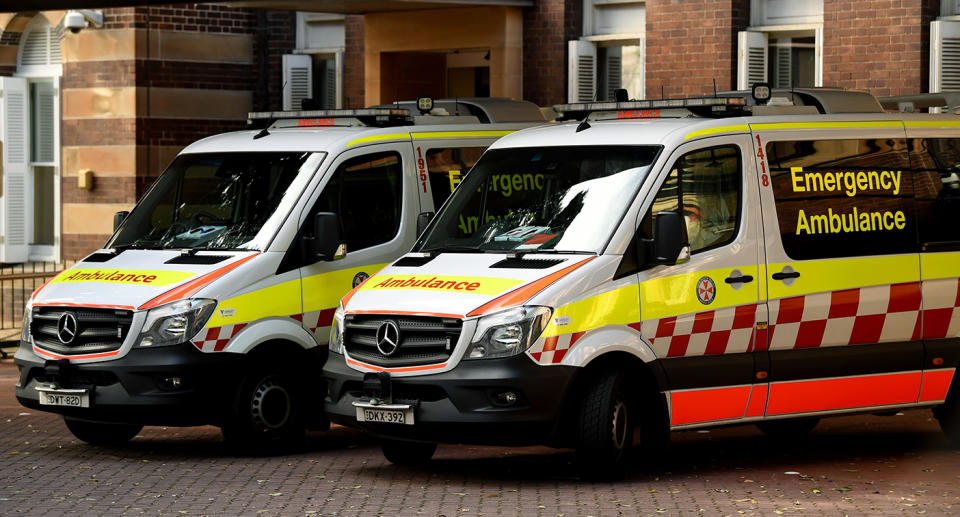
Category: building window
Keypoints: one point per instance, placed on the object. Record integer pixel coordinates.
(610, 54)
(783, 45)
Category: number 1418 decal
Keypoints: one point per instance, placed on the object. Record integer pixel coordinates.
(764, 178)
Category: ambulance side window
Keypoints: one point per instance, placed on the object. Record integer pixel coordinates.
(446, 166)
(705, 186)
(367, 193)
(842, 198)
(936, 162)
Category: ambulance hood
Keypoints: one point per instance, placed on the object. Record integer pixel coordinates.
(457, 284)
(132, 278)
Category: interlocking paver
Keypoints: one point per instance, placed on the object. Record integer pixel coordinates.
(856, 465)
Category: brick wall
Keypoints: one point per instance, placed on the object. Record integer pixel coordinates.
(353, 86)
(692, 42)
(544, 52)
(882, 46)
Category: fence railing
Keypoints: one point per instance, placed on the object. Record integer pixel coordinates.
(17, 283)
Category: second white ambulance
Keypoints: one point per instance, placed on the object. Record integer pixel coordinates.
(683, 264)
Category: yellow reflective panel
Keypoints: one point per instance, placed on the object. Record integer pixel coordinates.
(940, 265)
(766, 126)
(442, 283)
(379, 138)
(817, 276)
(123, 276)
(932, 123)
(325, 290)
(277, 300)
(677, 294)
(460, 134)
(715, 130)
(617, 307)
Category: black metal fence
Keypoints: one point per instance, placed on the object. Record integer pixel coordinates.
(17, 283)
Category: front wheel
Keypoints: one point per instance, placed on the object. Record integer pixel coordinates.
(265, 416)
(605, 427)
(407, 453)
(98, 433)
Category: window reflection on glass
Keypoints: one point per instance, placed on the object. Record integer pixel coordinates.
(792, 62)
(707, 185)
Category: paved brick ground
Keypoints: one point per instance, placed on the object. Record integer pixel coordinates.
(859, 465)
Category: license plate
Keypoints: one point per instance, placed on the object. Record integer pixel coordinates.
(384, 413)
(64, 397)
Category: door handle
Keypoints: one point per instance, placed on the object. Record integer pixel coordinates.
(786, 275)
(742, 279)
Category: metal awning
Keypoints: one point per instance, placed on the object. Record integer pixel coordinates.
(322, 6)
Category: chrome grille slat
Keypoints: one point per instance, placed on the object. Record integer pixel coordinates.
(99, 330)
(423, 339)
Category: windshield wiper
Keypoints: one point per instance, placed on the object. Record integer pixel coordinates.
(521, 253)
(456, 249)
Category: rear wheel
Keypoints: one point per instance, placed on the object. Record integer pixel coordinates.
(407, 453)
(605, 427)
(98, 433)
(948, 415)
(790, 428)
(265, 416)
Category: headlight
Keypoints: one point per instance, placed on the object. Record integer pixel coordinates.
(508, 333)
(25, 331)
(175, 322)
(336, 332)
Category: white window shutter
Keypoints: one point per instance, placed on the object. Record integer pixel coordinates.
(297, 80)
(44, 139)
(581, 71)
(338, 65)
(614, 71)
(783, 64)
(944, 56)
(14, 132)
(751, 59)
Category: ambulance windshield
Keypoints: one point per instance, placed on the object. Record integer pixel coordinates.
(218, 201)
(551, 199)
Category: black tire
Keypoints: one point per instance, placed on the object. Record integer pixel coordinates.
(266, 416)
(407, 453)
(98, 433)
(788, 428)
(948, 416)
(605, 426)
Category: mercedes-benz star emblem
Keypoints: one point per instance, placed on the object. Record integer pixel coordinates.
(67, 328)
(388, 338)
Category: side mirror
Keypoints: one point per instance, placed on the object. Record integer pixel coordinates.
(118, 219)
(669, 244)
(325, 244)
(423, 219)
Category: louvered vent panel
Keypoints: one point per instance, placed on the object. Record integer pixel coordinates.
(614, 75)
(755, 65)
(330, 81)
(43, 126)
(16, 196)
(783, 68)
(299, 86)
(584, 78)
(16, 130)
(950, 76)
(54, 41)
(35, 48)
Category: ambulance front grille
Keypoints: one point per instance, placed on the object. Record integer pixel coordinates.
(423, 339)
(98, 330)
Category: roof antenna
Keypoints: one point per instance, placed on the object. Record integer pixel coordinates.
(714, 87)
(270, 121)
(661, 91)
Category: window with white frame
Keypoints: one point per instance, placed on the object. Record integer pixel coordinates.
(783, 45)
(610, 54)
(945, 48)
(315, 71)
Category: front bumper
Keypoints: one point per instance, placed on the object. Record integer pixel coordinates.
(129, 389)
(461, 405)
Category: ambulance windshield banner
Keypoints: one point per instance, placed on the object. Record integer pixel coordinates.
(838, 198)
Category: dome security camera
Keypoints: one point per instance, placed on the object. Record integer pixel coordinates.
(78, 19)
(74, 21)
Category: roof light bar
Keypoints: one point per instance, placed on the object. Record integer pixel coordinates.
(378, 117)
(652, 108)
(364, 112)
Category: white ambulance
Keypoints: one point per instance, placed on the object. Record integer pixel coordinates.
(211, 303)
(668, 265)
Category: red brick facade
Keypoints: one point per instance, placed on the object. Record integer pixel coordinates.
(547, 26)
(882, 46)
(691, 43)
(353, 87)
